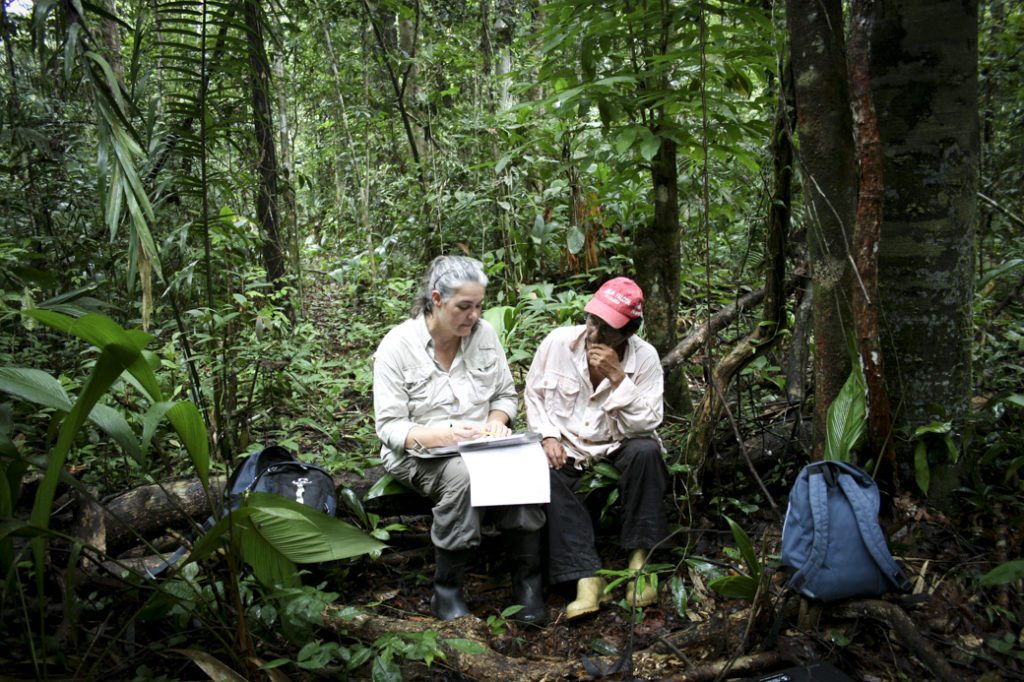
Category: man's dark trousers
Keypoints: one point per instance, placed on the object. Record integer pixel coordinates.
(572, 553)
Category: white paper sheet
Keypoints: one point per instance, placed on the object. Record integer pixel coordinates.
(517, 474)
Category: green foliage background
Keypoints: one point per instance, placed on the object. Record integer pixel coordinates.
(127, 208)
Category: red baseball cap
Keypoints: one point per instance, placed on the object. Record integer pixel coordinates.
(617, 302)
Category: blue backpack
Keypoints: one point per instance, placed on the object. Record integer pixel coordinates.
(831, 539)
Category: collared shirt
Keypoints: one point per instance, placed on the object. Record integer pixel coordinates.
(592, 422)
(411, 389)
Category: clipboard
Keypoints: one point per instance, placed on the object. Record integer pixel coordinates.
(483, 443)
(508, 474)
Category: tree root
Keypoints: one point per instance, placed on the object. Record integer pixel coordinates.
(905, 630)
(742, 665)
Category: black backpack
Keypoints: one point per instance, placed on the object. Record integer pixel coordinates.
(278, 471)
(271, 470)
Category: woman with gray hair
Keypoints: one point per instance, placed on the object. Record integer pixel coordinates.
(439, 378)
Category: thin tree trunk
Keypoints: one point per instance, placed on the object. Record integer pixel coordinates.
(829, 174)
(711, 406)
(362, 180)
(866, 240)
(266, 167)
(399, 83)
(656, 251)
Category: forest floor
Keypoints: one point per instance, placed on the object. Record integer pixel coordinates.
(947, 627)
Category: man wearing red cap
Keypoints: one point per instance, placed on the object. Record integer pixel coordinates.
(594, 392)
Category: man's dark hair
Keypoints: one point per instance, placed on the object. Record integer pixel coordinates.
(632, 326)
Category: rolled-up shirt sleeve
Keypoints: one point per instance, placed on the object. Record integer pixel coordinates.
(390, 399)
(636, 405)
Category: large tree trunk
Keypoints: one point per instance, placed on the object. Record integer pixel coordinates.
(830, 183)
(925, 81)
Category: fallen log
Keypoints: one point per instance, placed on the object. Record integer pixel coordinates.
(127, 519)
(699, 335)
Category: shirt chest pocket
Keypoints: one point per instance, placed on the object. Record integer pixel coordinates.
(419, 384)
(485, 375)
(560, 394)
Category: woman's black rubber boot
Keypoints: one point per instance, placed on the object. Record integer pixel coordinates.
(527, 580)
(447, 602)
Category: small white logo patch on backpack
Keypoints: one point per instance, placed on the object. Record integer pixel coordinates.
(300, 488)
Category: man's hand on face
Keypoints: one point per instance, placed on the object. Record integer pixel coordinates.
(603, 360)
(555, 452)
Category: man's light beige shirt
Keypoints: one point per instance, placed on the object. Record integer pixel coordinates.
(592, 422)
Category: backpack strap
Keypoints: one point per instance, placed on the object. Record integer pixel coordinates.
(817, 492)
(865, 510)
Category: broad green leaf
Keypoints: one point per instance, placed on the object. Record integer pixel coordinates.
(998, 271)
(735, 586)
(539, 226)
(35, 386)
(385, 485)
(940, 428)
(746, 548)
(575, 239)
(107, 335)
(466, 646)
(607, 470)
(114, 424)
(385, 671)
(274, 533)
(189, 425)
(151, 420)
(679, 597)
(501, 318)
(845, 422)
(1003, 574)
(649, 145)
(306, 535)
(625, 139)
(352, 501)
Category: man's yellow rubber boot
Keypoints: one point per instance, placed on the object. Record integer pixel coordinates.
(648, 595)
(588, 597)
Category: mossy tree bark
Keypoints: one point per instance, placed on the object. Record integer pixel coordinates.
(924, 75)
(827, 164)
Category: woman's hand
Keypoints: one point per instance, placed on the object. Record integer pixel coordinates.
(461, 432)
(494, 428)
